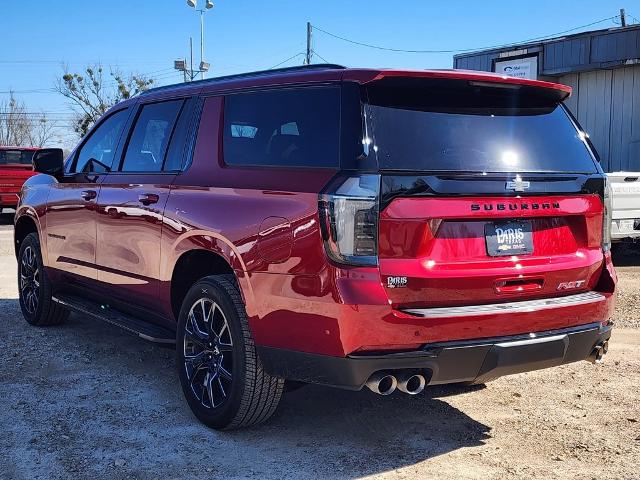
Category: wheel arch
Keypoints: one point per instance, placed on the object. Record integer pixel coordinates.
(24, 225)
(195, 264)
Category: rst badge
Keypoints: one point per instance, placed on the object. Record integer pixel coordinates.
(571, 285)
(396, 282)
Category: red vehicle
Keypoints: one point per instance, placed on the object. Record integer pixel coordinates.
(347, 227)
(15, 168)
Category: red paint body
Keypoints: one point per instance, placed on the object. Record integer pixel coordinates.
(12, 177)
(264, 223)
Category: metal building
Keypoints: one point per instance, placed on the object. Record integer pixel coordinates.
(602, 66)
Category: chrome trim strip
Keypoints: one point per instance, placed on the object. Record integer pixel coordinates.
(531, 341)
(509, 307)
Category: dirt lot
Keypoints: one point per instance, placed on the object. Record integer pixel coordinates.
(86, 400)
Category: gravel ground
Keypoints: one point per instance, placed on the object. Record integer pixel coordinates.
(85, 400)
(627, 261)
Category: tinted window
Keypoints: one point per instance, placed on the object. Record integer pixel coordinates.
(476, 133)
(16, 156)
(96, 155)
(283, 128)
(180, 138)
(148, 144)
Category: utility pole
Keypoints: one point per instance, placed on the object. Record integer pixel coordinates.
(623, 18)
(201, 43)
(188, 71)
(191, 62)
(307, 60)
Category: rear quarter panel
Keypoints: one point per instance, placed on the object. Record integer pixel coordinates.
(262, 221)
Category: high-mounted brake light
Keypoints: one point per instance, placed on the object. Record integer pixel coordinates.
(349, 219)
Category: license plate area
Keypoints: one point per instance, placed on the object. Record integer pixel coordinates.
(509, 238)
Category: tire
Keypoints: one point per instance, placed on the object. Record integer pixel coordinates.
(214, 347)
(35, 288)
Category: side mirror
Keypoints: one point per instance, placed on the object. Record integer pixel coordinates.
(49, 161)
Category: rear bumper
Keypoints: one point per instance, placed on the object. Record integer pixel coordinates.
(622, 228)
(476, 361)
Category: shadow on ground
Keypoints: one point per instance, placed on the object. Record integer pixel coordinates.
(6, 218)
(87, 397)
(626, 255)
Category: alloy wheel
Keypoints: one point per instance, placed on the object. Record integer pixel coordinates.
(208, 353)
(30, 280)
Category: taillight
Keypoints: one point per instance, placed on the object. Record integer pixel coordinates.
(348, 209)
(606, 217)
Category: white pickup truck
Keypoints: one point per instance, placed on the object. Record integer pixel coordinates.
(625, 202)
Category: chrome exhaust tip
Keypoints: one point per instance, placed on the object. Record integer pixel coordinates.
(382, 383)
(597, 355)
(411, 384)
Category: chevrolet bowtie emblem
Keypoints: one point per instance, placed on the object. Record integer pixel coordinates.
(517, 185)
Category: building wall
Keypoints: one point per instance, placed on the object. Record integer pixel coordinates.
(607, 105)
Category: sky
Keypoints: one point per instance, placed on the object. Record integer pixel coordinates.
(132, 36)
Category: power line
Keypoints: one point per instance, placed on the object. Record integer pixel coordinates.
(321, 57)
(285, 61)
(459, 50)
(635, 19)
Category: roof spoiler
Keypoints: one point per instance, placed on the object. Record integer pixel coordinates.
(557, 91)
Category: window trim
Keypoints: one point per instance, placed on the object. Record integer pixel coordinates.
(297, 87)
(132, 127)
(191, 136)
(74, 158)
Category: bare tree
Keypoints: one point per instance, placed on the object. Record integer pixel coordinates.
(92, 95)
(20, 127)
(42, 131)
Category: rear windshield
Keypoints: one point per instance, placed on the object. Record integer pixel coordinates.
(8, 157)
(477, 130)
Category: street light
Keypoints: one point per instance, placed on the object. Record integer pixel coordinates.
(207, 5)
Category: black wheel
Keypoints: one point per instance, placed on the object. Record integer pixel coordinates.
(35, 288)
(220, 373)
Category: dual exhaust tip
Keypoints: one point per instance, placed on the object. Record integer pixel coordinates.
(386, 383)
(597, 355)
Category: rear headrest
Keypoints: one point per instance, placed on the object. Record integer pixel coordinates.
(284, 147)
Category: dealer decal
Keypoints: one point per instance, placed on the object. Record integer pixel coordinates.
(396, 282)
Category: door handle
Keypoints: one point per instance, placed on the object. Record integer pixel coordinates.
(148, 198)
(88, 195)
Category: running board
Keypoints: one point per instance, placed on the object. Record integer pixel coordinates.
(145, 330)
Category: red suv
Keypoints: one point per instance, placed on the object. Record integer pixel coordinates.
(346, 227)
(15, 168)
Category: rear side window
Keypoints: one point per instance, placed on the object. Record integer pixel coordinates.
(152, 132)
(8, 157)
(473, 130)
(289, 128)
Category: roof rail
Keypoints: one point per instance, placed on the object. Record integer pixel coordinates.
(258, 73)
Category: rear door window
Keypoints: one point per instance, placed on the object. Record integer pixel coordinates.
(147, 146)
(473, 131)
(287, 128)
